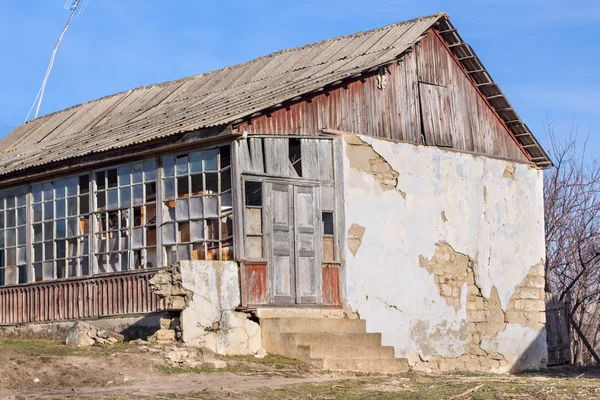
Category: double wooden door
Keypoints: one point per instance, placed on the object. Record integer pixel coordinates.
(295, 256)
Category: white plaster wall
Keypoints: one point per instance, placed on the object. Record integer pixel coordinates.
(210, 319)
(496, 221)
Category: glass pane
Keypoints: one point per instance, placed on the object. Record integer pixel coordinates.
(196, 207)
(138, 238)
(137, 259)
(61, 228)
(212, 182)
(168, 165)
(11, 219)
(136, 174)
(72, 186)
(48, 192)
(111, 177)
(112, 199)
(125, 197)
(210, 160)
(138, 195)
(60, 249)
(149, 170)
(38, 273)
(182, 210)
(196, 161)
(11, 237)
(101, 200)
(59, 188)
(21, 195)
(183, 252)
(72, 227)
(48, 251)
(327, 218)
(113, 262)
(21, 235)
(10, 198)
(100, 180)
(171, 253)
(11, 257)
(137, 216)
(21, 255)
(150, 258)
(1, 240)
(169, 188)
(168, 233)
(60, 269)
(211, 206)
(84, 184)
(84, 204)
(37, 213)
(169, 211)
(48, 230)
(253, 193)
(48, 211)
(225, 203)
(72, 268)
(84, 248)
(124, 176)
(2, 215)
(101, 260)
(212, 229)
(197, 230)
(183, 187)
(181, 165)
(21, 216)
(150, 192)
(60, 208)
(37, 232)
(225, 153)
(225, 180)
(72, 248)
(84, 265)
(37, 192)
(197, 185)
(48, 272)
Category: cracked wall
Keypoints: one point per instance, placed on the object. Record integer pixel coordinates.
(208, 318)
(448, 268)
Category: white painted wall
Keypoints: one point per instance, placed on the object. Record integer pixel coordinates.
(503, 233)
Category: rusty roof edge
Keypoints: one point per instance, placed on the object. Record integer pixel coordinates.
(543, 162)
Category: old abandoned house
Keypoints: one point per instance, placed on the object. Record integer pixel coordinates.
(370, 200)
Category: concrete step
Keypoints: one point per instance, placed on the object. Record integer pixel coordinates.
(382, 366)
(291, 312)
(299, 325)
(350, 352)
(333, 339)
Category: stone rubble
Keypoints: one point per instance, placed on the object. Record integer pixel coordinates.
(83, 334)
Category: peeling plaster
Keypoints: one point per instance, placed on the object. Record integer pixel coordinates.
(363, 158)
(497, 223)
(355, 236)
(509, 171)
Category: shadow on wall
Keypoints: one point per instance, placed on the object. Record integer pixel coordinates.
(530, 359)
(133, 328)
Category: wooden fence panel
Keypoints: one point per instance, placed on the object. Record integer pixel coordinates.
(558, 332)
(126, 293)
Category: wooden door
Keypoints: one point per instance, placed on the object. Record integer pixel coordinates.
(294, 262)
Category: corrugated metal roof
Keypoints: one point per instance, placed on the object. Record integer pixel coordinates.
(212, 99)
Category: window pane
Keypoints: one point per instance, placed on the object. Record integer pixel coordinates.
(11, 220)
(226, 226)
(196, 161)
(225, 181)
(61, 249)
(72, 186)
(61, 228)
(212, 229)
(101, 201)
(48, 192)
(182, 211)
(198, 252)
(181, 165)
(60, 208)
(183, 188)
(150, 217)
(22, 235)
(196, 207)
(84, 204)
(327, 218)
(72, 227)
(48, 251)
(2, 217)
(253, 193)
(150, 192)
(48, 210)
(37, 192)
(183, 232)
(84, 184)
(37, 213)
(149, 170)
(151, 236)
(197, 185)
(11, 237)
(125, 197)
(21, 216)
(84, 266)
(169, 185)
(226, 203)
(197, 231)
(169, 211)
(38, 273)
(21, 194)
(60, 269)
(211, 206)
(168, 166)
(1, 239)
(37, 232)
(48, 230)
(168, 233)
(112, 199)
(59, 188)
(124, 175)
(183, 252)
(138, 238)
(210, 160)
(136, 173)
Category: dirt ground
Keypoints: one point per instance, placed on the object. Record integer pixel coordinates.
(51, 370)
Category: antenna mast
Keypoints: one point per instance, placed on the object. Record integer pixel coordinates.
(70, 5)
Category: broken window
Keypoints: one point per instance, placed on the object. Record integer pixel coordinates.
(253, 212)
(13, 212)
(125, 217)
(295, 155)
(328, 223)
(197, 206)
(60, 225)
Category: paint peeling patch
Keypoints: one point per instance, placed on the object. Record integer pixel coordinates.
(450, 271)
(509, 171)
(443, 215)
(444, 339)
(363, 158)
(355, 236)
(527, 306)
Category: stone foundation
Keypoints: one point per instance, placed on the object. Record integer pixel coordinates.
(206, 295)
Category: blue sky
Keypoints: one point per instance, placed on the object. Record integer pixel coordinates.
(545, 54)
